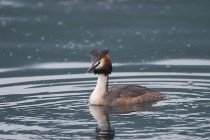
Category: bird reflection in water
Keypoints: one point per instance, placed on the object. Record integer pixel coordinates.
(102, 113)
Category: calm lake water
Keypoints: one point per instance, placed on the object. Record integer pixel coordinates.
(44, 88)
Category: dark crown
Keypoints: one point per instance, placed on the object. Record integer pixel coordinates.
(96, 55)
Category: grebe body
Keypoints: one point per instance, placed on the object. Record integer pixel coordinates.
(118, 94)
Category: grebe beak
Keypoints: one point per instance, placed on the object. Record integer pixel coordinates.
(91, 68)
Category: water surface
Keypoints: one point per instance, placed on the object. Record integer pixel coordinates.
(44, 87)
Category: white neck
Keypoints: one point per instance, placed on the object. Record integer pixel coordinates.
(100, 90)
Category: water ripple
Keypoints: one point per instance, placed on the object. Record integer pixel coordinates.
(40, 105)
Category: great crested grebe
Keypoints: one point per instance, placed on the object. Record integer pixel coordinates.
(119, 94)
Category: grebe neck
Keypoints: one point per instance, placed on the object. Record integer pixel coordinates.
(100, 90)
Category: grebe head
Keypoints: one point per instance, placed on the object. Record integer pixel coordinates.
(101, 62)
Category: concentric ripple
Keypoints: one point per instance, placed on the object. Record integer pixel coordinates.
(56, 106)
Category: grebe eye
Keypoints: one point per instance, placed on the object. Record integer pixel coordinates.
(96, 64)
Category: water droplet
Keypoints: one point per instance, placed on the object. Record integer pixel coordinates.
(143, 36)
(120, 46)
(19, 45)
(92, 45)
(141, 69)
(155, 31)
(119, 40)
(152, 39)
(60, 23)
(205, 30)
(42, 38)
(107, 7)
(64, 46)
(99, 43)
(11, 54)
(140, 5)
(168, 7)
(156, 52)
(27, 34)
(86, 41)
(57, 45)
(188, 45)
(3, 23)
(14, 29)
(173, 28)
(40, 4)
(138, 33)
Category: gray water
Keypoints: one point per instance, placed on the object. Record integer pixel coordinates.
(44, 88)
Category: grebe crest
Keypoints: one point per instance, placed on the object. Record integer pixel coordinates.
(101, 62)
(119, 94)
